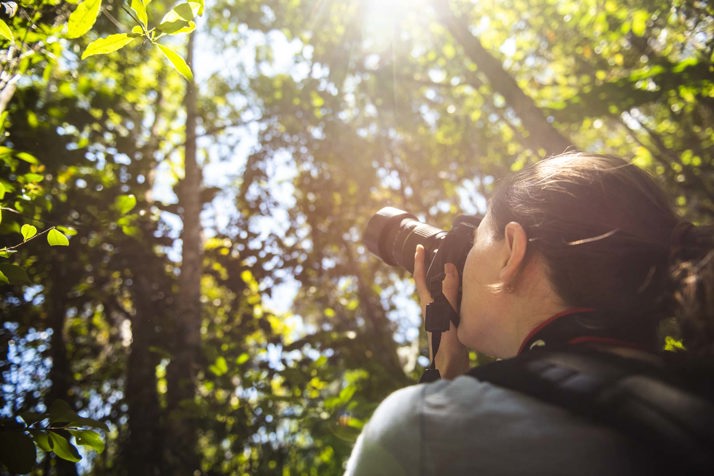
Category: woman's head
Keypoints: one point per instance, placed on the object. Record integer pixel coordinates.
(603, 229)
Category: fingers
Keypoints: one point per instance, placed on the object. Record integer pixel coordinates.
(420, 277)
(450, 284)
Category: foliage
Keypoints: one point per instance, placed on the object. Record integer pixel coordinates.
(18, 198)
(179, 20)
(310, 116)
(33, 33)
(51, 431)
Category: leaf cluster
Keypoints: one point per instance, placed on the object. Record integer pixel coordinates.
(52, 432)
(179, 20)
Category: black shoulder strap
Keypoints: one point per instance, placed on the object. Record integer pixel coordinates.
(640, 399)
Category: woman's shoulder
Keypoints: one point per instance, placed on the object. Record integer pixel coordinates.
(462, 402)
(473, 418)
(461, 395)
(415, 414)
(461, 392)
(470, 426)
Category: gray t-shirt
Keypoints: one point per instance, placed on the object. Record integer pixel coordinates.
(466, 426)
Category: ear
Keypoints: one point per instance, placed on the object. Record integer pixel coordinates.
(516, 244)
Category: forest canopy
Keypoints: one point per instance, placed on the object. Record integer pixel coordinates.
(184, 187)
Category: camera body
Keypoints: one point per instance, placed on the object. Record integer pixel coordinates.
(393, 235)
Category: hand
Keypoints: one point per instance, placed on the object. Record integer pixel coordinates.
(452, 359)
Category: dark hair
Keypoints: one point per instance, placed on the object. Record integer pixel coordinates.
(609, 237)
(694, 294)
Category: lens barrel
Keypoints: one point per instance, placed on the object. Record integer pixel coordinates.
(393, 235)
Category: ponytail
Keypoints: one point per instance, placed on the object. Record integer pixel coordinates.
(693, 286)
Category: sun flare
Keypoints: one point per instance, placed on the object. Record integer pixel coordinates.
(382, 19)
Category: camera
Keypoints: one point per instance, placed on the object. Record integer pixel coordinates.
(393, 235)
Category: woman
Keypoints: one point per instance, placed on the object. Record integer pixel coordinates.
(574, 251)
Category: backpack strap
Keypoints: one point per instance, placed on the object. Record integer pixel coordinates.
(640, 399)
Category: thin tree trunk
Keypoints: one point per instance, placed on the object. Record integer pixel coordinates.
(181, 375)
(541, 135)
(145, 419)
(61, 372)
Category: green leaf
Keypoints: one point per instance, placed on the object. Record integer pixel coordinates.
(685, 64)
(130, 230)
(27, 157)
(2, 191)
(90, 423)
(125, 203)
(14, 274)
(650, 71)
(42, 438)
(199, 5)
(63, 448)
(176, 27)
(67, 230)
(127, 225)
(28, 231)
(5, 253)
(107, 45)
(6, 32)
(4, 279)
(56, 238)
(184, 11)
(188, 10)
(220, 367)
(83, 18)
(89, 438)
(61, 414)
(140, 9)
(639, 22)
(33, 178)
(17, 451)
(177, 61)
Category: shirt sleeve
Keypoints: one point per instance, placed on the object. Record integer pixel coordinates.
(390, 442)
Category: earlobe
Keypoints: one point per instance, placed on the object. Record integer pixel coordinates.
(516, 243)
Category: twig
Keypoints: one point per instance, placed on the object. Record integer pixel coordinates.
(37, 235)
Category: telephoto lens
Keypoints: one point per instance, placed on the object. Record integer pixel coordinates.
(393, 235)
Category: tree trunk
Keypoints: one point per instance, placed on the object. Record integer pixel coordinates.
(181, 375)
(61, 372)
(145, 419)
(541, 135)
(152, 291)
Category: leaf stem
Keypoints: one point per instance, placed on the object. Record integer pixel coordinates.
(14, 247)
(133, 17)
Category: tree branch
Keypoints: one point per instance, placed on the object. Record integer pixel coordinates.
(540, 132)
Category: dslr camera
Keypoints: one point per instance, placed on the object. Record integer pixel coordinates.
(393, 235)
